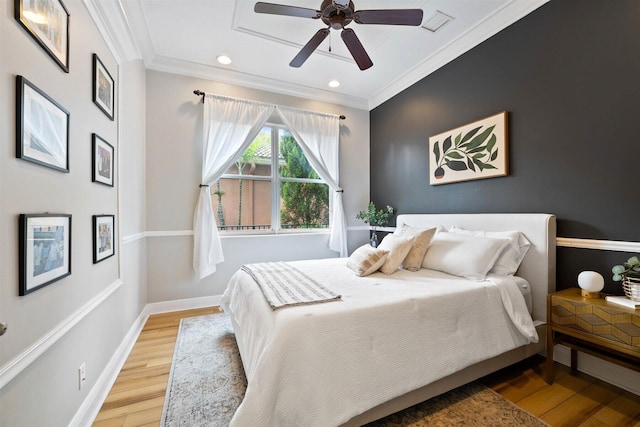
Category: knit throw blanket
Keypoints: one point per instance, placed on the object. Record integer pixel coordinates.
(284, 285)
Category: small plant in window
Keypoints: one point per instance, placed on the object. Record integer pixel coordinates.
(376, 218)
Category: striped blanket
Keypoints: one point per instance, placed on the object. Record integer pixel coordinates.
(284, 285)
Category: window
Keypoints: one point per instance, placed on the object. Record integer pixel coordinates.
(274, 193)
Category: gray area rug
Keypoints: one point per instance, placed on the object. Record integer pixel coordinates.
(207, 384)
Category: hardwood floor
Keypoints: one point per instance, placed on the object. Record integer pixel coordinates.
(137, 396)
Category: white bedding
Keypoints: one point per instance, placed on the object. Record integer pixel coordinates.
(320, 365)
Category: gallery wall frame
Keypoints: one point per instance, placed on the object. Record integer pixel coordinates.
(102, 154)
(103, 237)
(42, 127)
(44, 250)
(473, 151)
(103, 88)
(47, 21)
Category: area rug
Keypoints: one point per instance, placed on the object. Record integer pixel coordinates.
(207, 384)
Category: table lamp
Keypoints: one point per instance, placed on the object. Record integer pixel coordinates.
(591, 283)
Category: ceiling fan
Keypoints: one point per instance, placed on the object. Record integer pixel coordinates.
(337, 14)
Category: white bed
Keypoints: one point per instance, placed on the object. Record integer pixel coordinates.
(388, 343)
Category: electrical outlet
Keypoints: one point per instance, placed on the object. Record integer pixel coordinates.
(82, 376)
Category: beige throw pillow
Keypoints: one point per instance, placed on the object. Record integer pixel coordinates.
(398, 247)
(421, 240)
(366, 259)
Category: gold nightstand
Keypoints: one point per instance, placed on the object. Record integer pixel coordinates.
(593, 326)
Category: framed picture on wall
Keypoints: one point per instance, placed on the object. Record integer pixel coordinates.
(102, 167)
(47, 21)
(42, 127)
(44, 250)
(473, 151)
(103, 87)
(103, 237)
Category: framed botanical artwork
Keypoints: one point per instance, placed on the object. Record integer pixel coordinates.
(102, 166)
(44, 250)
(47, 21)
(103, 87)
(42, 127)
(103, 237)
(473, 151)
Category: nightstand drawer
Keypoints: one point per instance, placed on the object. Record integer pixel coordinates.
(602, 322)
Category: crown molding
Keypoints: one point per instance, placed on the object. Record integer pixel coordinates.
(502, 18)
(208, 72)
(113, 25)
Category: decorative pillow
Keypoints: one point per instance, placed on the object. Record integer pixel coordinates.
(421, 239)
(511, 256)
(463, 255)
(398, 247)
(366, 259)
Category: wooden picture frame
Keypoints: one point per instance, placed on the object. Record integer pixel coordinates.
(47, 21)
(474, 151)
(103, 237)
(44, 250)
(42, 127)
(102, 154)
(103, 88)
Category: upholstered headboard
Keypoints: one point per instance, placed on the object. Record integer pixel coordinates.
(538, 266)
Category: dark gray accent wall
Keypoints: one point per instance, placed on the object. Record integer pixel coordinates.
(569, 76)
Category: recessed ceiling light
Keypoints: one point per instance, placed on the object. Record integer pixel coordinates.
(223, 59)
(334, 83)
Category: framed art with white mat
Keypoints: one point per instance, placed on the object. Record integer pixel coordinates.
(103, 237)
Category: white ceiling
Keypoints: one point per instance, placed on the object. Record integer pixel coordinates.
(186, 36)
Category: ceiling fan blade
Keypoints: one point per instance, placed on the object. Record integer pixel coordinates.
(389, 16)
(308, 48)
(355, 47)
(281, 9)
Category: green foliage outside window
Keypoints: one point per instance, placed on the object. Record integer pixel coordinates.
(304, 204)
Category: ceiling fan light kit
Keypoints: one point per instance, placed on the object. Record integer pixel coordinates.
(337, 14)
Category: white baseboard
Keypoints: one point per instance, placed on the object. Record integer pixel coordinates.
(614, 374)
(183, 304)
(98, 393)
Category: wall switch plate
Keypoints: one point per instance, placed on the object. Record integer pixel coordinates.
(82, 376)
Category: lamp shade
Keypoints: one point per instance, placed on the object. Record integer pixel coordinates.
(590, 281)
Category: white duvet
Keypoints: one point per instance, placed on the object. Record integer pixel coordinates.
(322, 364)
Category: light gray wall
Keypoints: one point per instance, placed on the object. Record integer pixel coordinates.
(174, 157)
(46, 393)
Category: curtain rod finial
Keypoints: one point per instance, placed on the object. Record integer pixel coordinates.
(342, 117)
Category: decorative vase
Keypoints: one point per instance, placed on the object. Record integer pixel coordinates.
(374, 240)
(631, 286)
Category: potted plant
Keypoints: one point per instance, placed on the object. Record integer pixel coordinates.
(376, 218)
(629, 274)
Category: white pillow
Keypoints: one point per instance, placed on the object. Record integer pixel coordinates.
(463, 255)
(421, 239)
(511, 256)
(398, 247)
(366, 259)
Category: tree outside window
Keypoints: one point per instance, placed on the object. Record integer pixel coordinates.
(260, 192)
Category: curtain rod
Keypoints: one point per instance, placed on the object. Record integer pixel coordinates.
(202, 94)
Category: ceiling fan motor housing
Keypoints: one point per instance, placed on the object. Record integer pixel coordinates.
(335, 15)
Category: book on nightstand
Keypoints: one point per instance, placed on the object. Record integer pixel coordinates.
(623, 301)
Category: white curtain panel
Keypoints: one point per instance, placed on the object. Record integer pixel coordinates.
(229, 127)
(318, 135)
